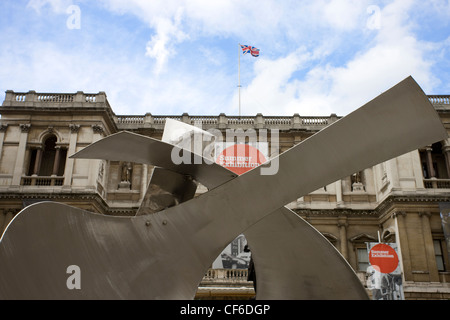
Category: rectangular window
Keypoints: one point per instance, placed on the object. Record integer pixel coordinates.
(439, 256)
(363, 259)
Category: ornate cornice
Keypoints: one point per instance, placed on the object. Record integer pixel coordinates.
(388, 206)
(408, 199)
(384, 207)
(93, 198)
(335, 212)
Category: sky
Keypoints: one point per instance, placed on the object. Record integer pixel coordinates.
(171, 56)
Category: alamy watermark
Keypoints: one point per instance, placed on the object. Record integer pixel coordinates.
(374, 20)
(74, 280)
(74, 19)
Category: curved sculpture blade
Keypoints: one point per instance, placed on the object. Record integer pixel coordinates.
(294, 261)
(132, 147)
(118, 257)
(398, 121)
(280, 242)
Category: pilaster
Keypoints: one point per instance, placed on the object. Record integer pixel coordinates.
(74, 128)
(401, 238)
(343, 224)
(20, 159)
(429, 247)
(98, 131)
(3, 128)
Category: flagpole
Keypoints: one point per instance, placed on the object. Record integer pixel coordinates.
(239, 77)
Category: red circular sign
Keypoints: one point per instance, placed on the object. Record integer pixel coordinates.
(240, 158)
(383, 258)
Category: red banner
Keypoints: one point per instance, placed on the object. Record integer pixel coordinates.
(384, 258)
(240, 158)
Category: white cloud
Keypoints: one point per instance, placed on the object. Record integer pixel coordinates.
(162, 44)
(317, 57)
(176, 21)
(58, 6)
(344, 14)
(394, 54)
(271, 90)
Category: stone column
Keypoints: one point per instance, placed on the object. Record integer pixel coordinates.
(20, 159)
(342, 224)
(37, 161)
(94, 164)
(68, 171)
(401, 237)
(430, 162)
(429, 247)
(56, 163)
(446, 152)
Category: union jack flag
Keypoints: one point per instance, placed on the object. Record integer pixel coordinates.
(249, 49)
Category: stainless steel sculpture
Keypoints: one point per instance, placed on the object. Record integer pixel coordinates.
(163, 253)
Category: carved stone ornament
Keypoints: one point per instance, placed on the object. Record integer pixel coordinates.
(74, 128)
(25, 127)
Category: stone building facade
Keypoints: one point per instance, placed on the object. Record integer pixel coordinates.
(397, 201)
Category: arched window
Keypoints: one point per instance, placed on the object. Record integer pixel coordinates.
(48, 160)
(48, 156)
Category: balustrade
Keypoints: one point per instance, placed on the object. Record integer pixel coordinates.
(439, 99)
(91, 98)
(241, 120)
(223, 121)
(211, 120)
(42, 181)
(34, 97)
(61, 98)
(278, 121)
(315, 121)
(162, 119)
(130, 119)
(20, 97)
(436, 183)
(226, 274)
